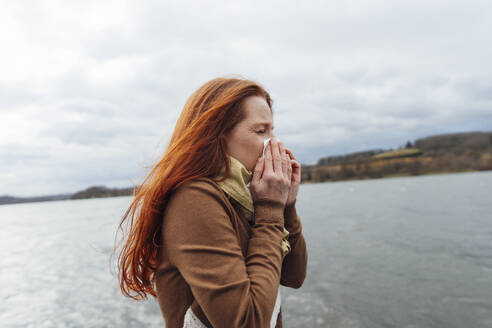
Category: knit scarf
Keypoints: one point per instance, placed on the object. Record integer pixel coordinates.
(236, 187)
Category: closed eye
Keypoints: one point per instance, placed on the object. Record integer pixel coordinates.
(262, 131)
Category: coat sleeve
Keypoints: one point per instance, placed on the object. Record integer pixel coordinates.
(233, 291)
(294, 265)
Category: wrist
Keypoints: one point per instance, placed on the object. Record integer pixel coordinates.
(269, 210)
(290, 215)
(291, 204)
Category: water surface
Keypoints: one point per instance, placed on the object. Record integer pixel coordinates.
(403, 252)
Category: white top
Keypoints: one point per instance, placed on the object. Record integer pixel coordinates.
(191, 320)
(276, 310)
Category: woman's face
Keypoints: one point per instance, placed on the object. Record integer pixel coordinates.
(245, 141)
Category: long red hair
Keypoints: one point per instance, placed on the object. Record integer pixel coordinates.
(197, 149)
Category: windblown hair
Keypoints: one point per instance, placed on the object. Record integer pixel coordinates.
(197, 149)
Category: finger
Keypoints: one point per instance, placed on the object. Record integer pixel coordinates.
(295, 165)
(277, 159)
(285, 159)
(296, 169)
(289, 168)
(285, 166)
(290, 154)
(258, 171)
(268, 158)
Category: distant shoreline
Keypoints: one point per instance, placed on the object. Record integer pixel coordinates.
(393, 176)
(438, 154)
(19, 200)
(459, 152)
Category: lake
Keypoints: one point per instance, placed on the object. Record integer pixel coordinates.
(401, 252)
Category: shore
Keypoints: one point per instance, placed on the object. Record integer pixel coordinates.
(103, 192)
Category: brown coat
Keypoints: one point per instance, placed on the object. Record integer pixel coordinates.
(214, 261)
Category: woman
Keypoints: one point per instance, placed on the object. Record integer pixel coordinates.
(212, 250)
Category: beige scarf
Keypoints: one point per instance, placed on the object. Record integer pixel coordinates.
(236, 186)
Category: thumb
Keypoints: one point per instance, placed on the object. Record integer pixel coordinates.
(258, 171)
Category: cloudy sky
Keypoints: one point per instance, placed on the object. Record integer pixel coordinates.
(90, 90)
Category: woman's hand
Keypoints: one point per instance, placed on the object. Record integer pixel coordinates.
(272, 174)
(295, 180)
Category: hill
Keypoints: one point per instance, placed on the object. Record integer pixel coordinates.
(455, 152)
(102, 191)
(13, 200)
(91, 192)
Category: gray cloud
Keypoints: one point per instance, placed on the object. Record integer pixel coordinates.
(89, 92)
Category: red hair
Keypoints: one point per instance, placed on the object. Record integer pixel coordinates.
(197, 149)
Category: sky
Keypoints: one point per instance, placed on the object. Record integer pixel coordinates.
(90, 90)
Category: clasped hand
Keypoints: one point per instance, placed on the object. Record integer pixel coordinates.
(276, 175)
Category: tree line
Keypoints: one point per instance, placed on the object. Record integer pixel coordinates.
(455, 152)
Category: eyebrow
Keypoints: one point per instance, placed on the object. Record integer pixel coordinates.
(264, 123)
